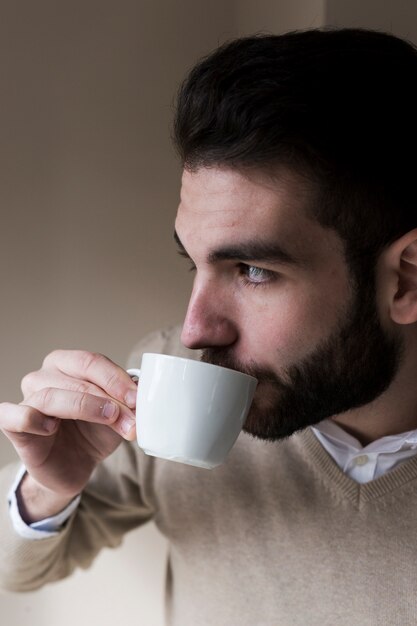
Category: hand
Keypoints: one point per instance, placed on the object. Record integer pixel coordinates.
(75, 412)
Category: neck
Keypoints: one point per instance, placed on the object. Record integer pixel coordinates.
(393, 412)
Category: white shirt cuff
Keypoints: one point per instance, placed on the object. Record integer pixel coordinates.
(47, 527)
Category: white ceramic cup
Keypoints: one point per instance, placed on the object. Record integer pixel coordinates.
(189, 411)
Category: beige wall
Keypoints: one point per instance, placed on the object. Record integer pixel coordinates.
(278, 16)
(395, 16)
(89, 187)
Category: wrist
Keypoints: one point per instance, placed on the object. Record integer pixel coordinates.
(36, 502)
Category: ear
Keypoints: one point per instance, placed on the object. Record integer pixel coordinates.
(401, 263)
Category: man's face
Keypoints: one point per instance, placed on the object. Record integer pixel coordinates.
(273, 296)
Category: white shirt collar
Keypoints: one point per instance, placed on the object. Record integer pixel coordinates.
(390, 443)
(365, 463)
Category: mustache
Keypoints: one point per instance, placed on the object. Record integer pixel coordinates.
(224, 357)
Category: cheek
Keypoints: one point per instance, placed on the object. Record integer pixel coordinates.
(287, 328)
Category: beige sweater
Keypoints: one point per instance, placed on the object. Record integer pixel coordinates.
(277, 536)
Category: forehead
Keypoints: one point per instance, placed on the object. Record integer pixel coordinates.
(223, 205)
(230, 191)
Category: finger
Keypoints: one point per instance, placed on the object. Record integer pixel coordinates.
(85, 407)
(97, 369)
(41, 379)
(77, 406)
(18, 419)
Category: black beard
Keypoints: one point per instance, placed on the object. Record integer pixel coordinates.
(352, 367)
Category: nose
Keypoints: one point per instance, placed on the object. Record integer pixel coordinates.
(209, 320)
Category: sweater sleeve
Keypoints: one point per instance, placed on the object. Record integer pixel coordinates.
(112, 504)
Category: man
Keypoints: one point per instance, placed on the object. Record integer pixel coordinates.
(298, 215)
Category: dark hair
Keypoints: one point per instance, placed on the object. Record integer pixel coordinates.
(339, 105)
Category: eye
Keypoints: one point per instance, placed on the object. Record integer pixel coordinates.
(256, 275)
(184, 255)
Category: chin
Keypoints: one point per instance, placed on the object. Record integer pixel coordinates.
(264, 422)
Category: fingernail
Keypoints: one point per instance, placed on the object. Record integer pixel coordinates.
(110, 410)
(126, 425)
(130, 398)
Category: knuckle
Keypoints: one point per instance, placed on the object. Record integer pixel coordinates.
(27, 383)
(80, 403)
(81, 387)
(88, 360)
(45, 396)
(52, 358)
(113, 383)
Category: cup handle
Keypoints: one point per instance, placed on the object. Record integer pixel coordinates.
(134, 374)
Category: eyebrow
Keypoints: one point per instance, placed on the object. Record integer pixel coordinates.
(262, 252)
